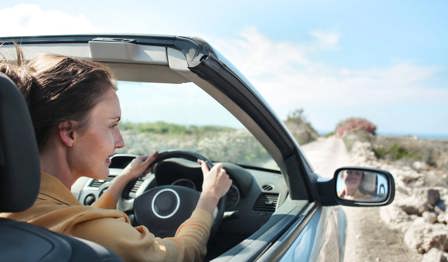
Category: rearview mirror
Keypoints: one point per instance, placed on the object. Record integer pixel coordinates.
(364, 186)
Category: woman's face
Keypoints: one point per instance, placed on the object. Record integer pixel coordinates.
(352, 178)
(97, 141)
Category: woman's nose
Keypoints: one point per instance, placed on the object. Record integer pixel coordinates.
(119, 142)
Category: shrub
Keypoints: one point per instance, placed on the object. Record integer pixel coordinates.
(300, 128)
(410, 149)
(353, 124)
(329, 134)
(217, 143)
(395, 152)
(161, 127)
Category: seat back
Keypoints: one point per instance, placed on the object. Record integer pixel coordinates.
(19, 157)
(19, 186)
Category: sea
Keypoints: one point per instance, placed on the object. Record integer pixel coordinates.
(419, 136)
(443, 137)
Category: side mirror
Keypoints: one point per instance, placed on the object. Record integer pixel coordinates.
(358, 186)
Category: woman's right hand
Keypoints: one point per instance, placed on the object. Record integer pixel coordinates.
(215, 185)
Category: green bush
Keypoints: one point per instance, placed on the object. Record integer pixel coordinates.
(161, 127)
(332, 133)
(215, 142)
(409, 149)
(395, 152)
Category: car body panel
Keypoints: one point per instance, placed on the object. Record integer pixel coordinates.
(322, 240)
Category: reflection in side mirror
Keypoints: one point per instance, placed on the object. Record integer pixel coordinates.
(362, 185)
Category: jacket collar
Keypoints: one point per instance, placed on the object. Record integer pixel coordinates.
(51, 186)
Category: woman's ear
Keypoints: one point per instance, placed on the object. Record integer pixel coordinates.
(66, 132)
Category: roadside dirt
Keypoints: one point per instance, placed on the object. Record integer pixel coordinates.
(367, 237)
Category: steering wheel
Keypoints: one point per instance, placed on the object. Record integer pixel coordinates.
(162, 209)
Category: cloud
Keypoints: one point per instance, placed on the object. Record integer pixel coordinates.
(288, 76)
(286, 73)
(326, 39)
(30, 19)
(255, 53)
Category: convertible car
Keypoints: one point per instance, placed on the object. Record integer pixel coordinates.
(181, 97)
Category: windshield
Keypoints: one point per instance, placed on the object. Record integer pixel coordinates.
(182, 116)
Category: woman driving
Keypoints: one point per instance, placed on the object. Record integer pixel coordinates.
(75, 112)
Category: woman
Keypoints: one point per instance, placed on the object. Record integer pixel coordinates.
(75, 113)
(351, 189)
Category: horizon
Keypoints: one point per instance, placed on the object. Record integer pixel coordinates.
(334, 59)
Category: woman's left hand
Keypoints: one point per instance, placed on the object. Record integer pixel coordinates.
(138, 166)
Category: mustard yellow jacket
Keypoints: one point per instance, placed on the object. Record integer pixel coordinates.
(58, 210)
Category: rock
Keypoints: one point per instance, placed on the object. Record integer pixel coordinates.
(419, 166)
(421, 200)
(438, 210)
(409, 179)
(432, 196)
(442, 218)
(429, 217)
(418, 220)
(420, 207)
(412, 208)
(435, 179)
(395, 218)
(435, 255)
(362, 151)
(423, 237)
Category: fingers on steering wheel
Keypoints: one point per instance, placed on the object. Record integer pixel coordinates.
(228, 181)
(204, 166)
(218, 167)
(147, 161)
(150, 159)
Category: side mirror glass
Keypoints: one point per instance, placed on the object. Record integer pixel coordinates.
(363, 185)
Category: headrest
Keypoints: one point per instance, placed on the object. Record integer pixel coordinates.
(19, 156)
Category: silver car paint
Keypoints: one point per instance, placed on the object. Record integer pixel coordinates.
(322, 239)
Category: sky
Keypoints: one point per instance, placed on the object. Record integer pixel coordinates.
(386, 61)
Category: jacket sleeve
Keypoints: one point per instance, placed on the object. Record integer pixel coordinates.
(105, 201)
(138, 244)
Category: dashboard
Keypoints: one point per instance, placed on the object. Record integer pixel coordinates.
(253, 197)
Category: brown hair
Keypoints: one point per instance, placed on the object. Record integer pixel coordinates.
(58, 88)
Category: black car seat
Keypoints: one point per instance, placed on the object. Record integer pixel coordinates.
(19, 186)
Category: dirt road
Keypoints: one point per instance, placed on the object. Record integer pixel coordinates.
(368, 239)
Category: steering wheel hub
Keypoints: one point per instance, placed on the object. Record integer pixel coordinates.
(165, 203)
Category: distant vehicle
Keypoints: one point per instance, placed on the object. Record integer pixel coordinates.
(277, 209)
